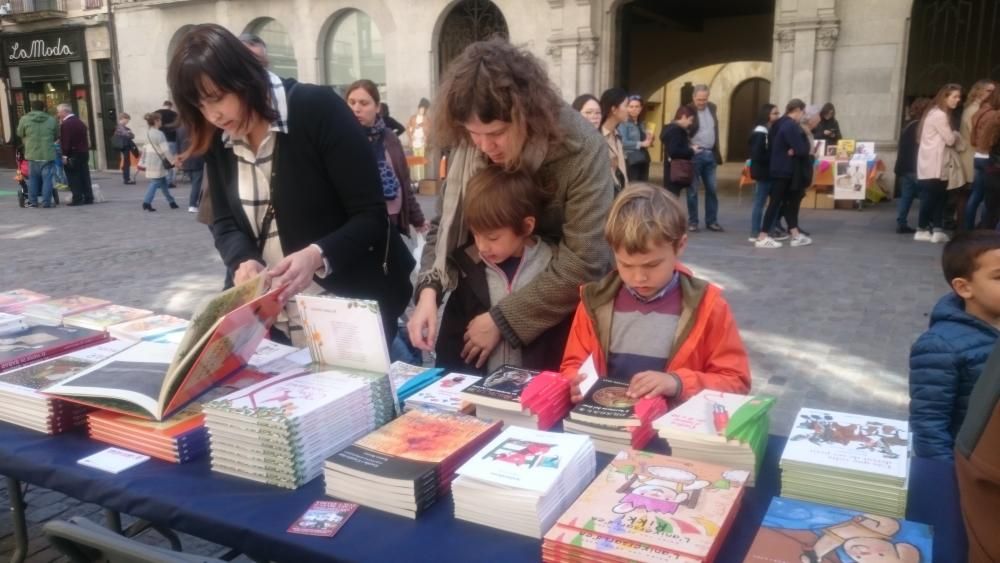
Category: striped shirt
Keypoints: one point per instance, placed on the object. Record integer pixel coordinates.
(642, 330)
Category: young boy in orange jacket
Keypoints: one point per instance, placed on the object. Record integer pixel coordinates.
(651, 322)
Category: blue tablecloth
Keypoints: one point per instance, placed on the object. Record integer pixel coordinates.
(254, 518)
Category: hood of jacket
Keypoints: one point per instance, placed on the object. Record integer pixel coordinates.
(38, 116)
(951, 309)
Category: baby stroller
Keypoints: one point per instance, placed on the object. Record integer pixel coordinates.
(21, 177)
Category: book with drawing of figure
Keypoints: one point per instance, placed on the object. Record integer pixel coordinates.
(523, 479)
(14, 300)
(666, 504)
(795, 531)
(444, 394)
(404, 466)
(38, 342)
(844, 459)
(154, 380)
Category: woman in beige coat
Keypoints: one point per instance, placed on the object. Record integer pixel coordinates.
(935, 136)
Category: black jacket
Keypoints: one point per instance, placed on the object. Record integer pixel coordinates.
(760, 154)
(677, 143)
(328, 193)
(906, 155)
(715, 117)
(470, 299)
(830, 125)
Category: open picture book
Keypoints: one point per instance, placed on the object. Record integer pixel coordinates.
(153, 380)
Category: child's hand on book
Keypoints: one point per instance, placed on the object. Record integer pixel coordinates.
(575, 395)
(650, 384)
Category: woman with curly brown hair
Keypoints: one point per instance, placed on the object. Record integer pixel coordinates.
(497, 105)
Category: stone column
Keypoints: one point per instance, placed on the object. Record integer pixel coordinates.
(587, 59)
(826, 40)
(786, 63)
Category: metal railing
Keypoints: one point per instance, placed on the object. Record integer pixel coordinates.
(93, 4)
(35, 6)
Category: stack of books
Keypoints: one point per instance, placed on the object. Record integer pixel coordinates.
(105, 317)
(180, 438)
(721, 428)
(34, 343)
(52, 311)
(21, 402)
(498, 397)
(444, 395)
(280, 430)
(14, 300)
(648, 507)
(11, 323)
(850, 460)
(404, 466)
(408, 379)
(613, 419)
(148, 328)
(794, 531)
(523, 480)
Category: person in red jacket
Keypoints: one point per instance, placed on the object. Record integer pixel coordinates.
(650, 321)
(76, 155)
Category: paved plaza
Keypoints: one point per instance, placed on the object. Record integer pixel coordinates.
(828, 325)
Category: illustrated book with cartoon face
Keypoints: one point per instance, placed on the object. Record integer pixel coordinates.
(796, 530)
(154, 380)
(665, 505)
(607, 403)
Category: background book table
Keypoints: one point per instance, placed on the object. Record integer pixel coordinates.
(253, 518)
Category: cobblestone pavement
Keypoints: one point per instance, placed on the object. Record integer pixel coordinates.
(827, 325)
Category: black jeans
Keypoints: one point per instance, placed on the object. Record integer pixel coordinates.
(785, 200)
(638, 172)
(933, 196)
(991, 198)
(78, 177)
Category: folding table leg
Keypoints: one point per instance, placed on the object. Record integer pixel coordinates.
(17, 514)
(113, 520)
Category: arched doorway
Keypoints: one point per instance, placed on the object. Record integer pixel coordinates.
(467, 22)
(747, 98)
(280, 52)
(354, 50)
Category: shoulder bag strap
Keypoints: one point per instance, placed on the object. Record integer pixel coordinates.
(265, 223)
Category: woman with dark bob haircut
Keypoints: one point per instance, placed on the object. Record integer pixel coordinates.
(295, 188)
(497, 106)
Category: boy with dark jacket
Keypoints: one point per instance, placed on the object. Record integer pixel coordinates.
(650, 322)
(501, 209)
(945, 362)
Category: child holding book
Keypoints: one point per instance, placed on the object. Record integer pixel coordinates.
(650, 321)
(500, 208)
(946, 361)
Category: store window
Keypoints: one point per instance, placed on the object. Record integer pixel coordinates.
(354, 50)
(280, 52)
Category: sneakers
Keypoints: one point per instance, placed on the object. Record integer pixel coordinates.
(192, 209)
(904, 230)
(922, 236)
(752, 239)
(801, 240)
(716, 228)
(692, 228)
(173, 205)
(767, 243)
(779, 234)
(939, 237)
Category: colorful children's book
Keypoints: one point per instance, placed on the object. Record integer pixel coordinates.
(324, 518)
(15, 300)
(38, 342)
(444, 394)
(52, 311)
(153, 380)
(344, 333)
(607, 403)
(666, 504)
(104, 317)
(796, 530)
(148, 328)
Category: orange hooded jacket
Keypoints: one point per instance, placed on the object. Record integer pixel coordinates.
(709, 352)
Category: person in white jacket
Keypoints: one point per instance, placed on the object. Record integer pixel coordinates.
(935, 135)
(156, 151)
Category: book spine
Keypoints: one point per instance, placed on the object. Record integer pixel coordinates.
(52, 352)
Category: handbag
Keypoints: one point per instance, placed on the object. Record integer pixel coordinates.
(166, 164)
(681, 172)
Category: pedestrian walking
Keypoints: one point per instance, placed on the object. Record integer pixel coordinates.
(906, 165)
(157, 160)
(790, 153)
(124, 141)
(760, 167)
(73, 139)
(635, 141)
(935, 137)
(38, 130)
(193, 166)
(678, 170)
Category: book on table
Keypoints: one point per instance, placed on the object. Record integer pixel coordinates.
(347, 335)
(406, 465)
(498, 397)
(53, 311)
(180, 438)
(23, 404)
(14, 300)
(407, 379)
(444, 394)
(723, 428)
(651, 507)
(154, 380)
(11, 323)
(613, 419)
(105, 317)
(148, 328)
(34, 343)
(794, 531)
(523, 480)
(280, 430)
(850, 460)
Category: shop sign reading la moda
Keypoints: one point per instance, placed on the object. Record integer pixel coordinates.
(39, 49)
(42, 47)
